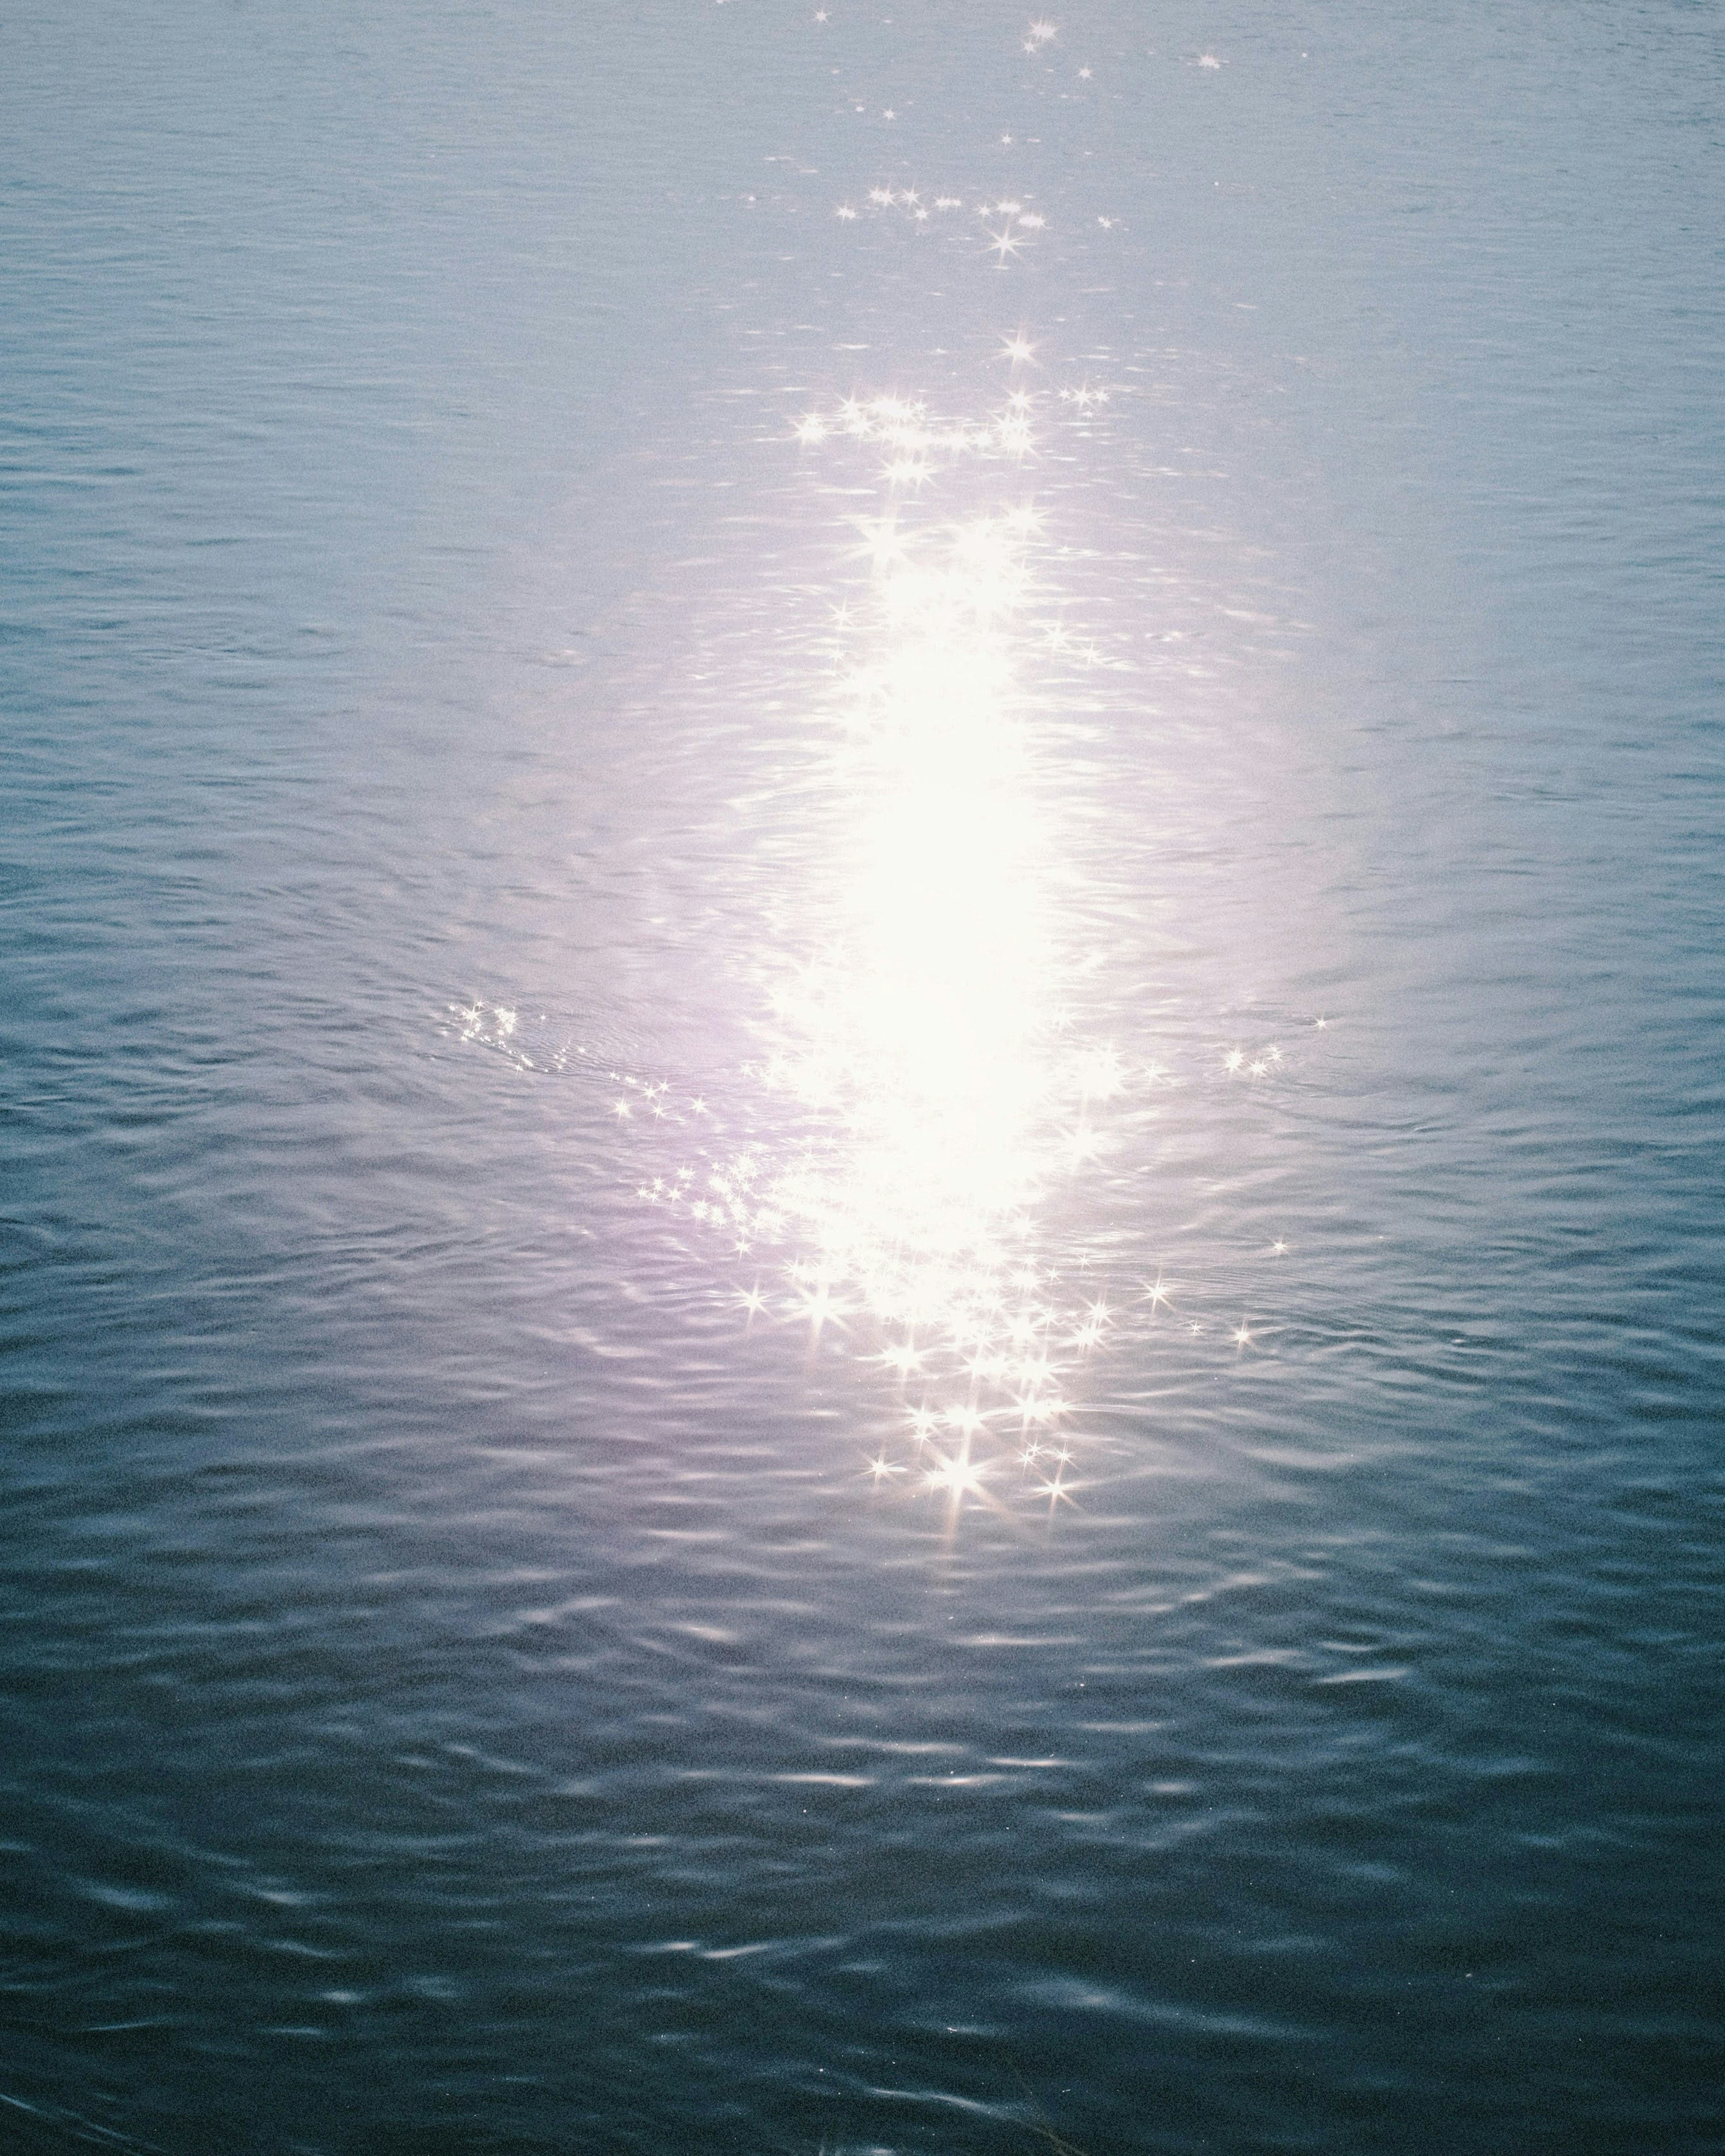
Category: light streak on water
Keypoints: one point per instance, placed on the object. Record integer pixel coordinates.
(898, 1175)
(928, 1042)
(922, 1101)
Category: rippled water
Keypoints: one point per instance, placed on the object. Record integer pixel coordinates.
(466, 1687)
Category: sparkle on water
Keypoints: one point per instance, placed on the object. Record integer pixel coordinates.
(924, 1097)
(932, 1094)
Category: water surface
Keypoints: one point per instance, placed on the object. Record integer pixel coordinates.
(467, 1686)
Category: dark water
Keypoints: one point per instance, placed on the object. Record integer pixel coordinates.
(463, 1689)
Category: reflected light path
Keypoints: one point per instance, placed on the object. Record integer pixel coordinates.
(921, 1103)
(924, 1048)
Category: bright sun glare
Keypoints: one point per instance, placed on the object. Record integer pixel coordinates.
(938, 1094)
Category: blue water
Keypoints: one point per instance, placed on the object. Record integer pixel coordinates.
(463, 1688)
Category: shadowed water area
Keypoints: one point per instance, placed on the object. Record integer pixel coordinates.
(861, 1069)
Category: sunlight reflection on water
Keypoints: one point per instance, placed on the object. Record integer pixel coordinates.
(462, 1689)
(922, 1092)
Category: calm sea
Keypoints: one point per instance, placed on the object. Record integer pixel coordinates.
(862, 1041)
